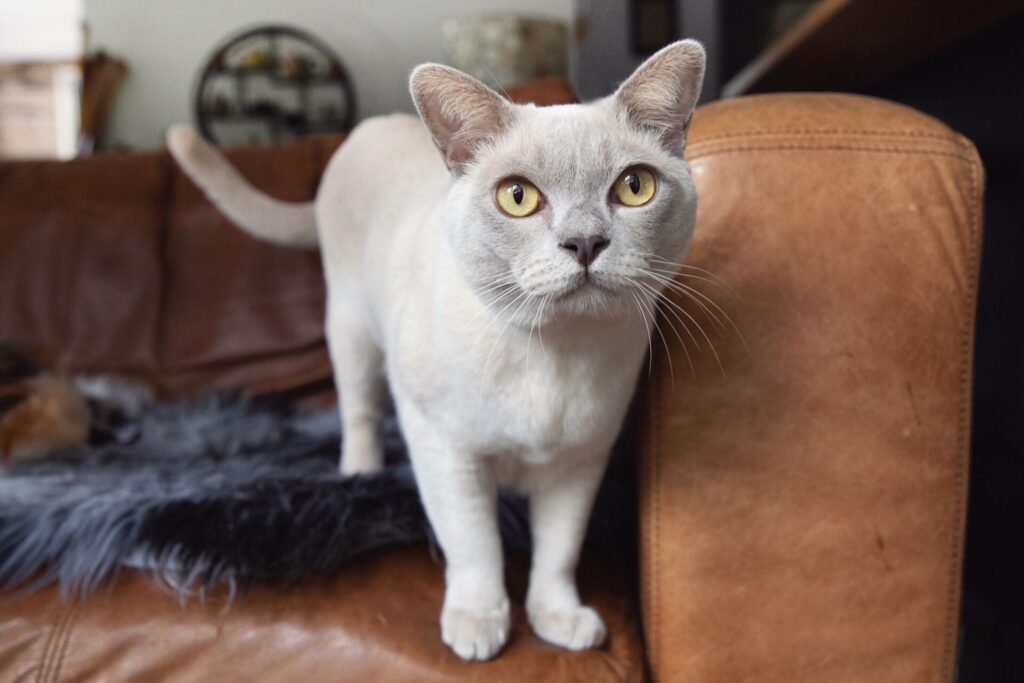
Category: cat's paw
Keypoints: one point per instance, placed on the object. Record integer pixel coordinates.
(574, 628)
(475, 634)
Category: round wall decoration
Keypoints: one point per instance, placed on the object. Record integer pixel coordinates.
(273, 83)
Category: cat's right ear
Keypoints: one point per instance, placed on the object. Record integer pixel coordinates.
(461, 112)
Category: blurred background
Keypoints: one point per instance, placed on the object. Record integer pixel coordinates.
(81, 77)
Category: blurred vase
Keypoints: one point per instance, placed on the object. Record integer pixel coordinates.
(505, 49)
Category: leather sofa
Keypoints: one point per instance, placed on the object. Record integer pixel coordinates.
(801, 507)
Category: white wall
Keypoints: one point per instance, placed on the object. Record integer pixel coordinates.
(40, 30)
(166, 43)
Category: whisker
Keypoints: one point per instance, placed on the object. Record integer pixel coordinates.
(679, 266)
(495, 284)
(501, 334)
(691, 291)
(494, 317)
(687, 291)
(682, 343)
(689, 317)
(668, 352)
(540, 331)
(658, 295)
(679, 273)
(647, 328)
(529, 339)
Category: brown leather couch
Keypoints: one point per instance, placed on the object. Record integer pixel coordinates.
(801, 509)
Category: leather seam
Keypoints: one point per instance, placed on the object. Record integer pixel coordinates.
(46, 648)
(699, 154)
(52, 646)
(948, 670)
(651, 500)
(65, 641)
(866, 132)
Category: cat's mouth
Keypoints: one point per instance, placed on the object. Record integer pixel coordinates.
(585, 284)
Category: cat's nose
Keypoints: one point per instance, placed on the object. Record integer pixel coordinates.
(585, 249)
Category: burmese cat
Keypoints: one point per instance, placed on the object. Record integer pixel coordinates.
(505, 290)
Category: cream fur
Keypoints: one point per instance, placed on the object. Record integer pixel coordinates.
(509, 364)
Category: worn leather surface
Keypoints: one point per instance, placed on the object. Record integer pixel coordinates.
(378, 621)
(119, 264)
(802, 509)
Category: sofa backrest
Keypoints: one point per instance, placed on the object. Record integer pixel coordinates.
(119, 265)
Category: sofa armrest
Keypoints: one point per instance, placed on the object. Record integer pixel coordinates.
(802, 510)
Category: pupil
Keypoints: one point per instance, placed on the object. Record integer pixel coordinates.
(633, 181)
(517, 193)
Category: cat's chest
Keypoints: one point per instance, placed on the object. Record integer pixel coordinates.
(496, 389)
(538, 402)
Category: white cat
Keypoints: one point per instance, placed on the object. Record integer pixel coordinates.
(506, 291)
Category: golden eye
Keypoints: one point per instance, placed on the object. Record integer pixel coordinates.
(635, 186)
(518, 197)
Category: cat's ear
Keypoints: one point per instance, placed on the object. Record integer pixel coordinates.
(662, 93)
(461, 112)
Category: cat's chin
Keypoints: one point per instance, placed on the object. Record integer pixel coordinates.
(589, 299)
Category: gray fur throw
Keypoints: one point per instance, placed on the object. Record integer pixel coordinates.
(223, 490)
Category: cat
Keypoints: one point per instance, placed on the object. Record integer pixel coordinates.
(505, 289)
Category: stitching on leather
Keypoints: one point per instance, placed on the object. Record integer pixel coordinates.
(65, 640)
(947, 672)
(52, 669)
(828, 131)
(699, 154)
(46, 648)
(46, 659)
(652, 497)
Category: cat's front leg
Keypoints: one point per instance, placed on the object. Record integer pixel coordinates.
(459, 492)
(559, 512)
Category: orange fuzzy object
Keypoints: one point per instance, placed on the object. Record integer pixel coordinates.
(53, 415)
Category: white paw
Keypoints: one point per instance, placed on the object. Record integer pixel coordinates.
(574, 628)
(475, 634)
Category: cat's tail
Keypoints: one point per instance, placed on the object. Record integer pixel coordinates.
(286, 223)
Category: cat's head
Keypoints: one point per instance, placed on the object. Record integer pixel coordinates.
(567, 210)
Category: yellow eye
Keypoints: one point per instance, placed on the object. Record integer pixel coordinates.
(518, 197)
(635, 186)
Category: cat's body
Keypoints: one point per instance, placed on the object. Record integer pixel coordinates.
(496, 388)
(510, 348)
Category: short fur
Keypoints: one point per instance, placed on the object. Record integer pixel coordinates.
(433, 286)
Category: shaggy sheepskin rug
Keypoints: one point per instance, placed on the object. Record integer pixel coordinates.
(226, 490)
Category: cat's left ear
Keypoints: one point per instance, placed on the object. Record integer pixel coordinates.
(662, 93)
(461, 112)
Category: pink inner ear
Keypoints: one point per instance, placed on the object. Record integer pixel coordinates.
(460, 112)
(662, 93)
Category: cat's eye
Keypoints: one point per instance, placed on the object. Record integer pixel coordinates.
(518, 197)
(635, 186)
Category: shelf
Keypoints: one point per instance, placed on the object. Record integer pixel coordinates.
(244, 117)
(851, 44)
(244, 72)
